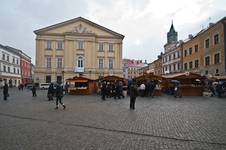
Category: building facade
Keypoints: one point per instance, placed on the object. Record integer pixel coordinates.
(132, 67)
(25, 63)
(10, 71)
(158, 66)
(77, 47)
(171, 59)
(204, 53)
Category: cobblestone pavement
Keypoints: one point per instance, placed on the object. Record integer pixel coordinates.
(28, 123)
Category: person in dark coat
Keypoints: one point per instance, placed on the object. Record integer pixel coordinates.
(50, 93)
(59, 95)
(66, 88)
(33, 91)
(5, 91)
(103, 90)
(133, 95)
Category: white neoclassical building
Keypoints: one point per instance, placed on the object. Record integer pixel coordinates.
(10, 71)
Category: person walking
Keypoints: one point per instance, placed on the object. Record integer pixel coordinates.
(59, 96)
(133, 96)
(33, 91)
(50, 93)
(5, 91)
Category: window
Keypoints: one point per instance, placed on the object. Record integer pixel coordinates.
(110, 63)
(48, 62)
(48, 79)
(207, 60)
(178, 66)
(174, 67)
(4, 68)
(206, 72)
(60, 45)
(101, 47)
(80, 44)
(169, 68)
(13, 60)
(174, 55)
(7, 57)
(217, 71)
(185, 52)
(18, 71)
(17, 62)
(196, 48)
(59, 62)
(190, 50)
(216, 39)
(217, 58)
(80, 62)
(196, 63)
(101, 63)
(110, 47)
(190, 65)
(185, 66)
(3, 56)
(8, 69)
(207, 43)
(169, 57)
(14, 70)
(48, 44)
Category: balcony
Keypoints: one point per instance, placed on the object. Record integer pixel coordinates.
(79, 69)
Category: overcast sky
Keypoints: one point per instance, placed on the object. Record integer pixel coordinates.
(144, 23)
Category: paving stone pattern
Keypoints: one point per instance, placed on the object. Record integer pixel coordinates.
(28, 123)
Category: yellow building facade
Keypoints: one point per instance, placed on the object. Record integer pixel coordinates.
(204, 53)
(77, 47)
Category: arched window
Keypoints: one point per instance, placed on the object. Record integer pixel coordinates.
(80, 62)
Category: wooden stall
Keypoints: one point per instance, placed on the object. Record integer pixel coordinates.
(81, 86)
(148, 77)
(190, 83)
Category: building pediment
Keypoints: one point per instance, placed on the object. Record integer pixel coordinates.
(78, 26)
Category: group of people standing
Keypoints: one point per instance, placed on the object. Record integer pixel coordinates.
(112, 89)
(147, 88)
(115, 89)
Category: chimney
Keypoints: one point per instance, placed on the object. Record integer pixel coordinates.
(211, 24)
(190, 36)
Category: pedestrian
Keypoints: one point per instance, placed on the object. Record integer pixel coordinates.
(103, 90)
(66, 88)
(50, 93)
(152, 88)
(133, 95)
(142, 89)
(5, 91)
(59, 96)
(33, 91)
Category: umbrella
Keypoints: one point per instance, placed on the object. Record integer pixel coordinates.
(175, 81)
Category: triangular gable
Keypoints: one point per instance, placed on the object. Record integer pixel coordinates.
(78, 25)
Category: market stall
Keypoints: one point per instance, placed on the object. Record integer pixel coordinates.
(81, 86)
(150, 78)
(191, 84)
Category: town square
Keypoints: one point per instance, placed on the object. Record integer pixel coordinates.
(119, 75)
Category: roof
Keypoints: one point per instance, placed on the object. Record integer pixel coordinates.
(75, 20)
(79, 79)
(149, 76)
(112, 78)
(204, 30)
(183, 75)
